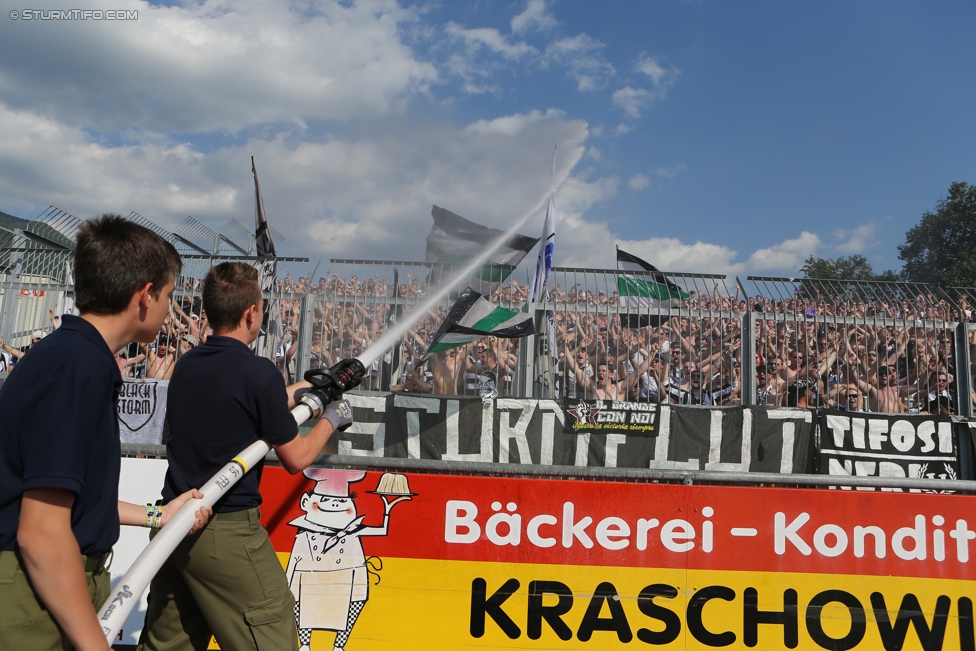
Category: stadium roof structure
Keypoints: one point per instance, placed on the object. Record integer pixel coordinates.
(57, 229)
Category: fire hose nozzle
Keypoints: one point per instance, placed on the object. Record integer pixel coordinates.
(328, 384)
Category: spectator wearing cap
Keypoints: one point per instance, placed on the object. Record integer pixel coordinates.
(186, 343)
(127, 362)
(189, 321)
(17, 353)
(941, 400)
(801, 394)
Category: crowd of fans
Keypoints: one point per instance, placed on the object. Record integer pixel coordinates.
(849, 352)
(845, 353)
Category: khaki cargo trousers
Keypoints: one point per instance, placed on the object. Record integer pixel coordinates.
(224, 580)
(25, 623)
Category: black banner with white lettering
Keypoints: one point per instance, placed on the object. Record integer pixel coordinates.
(876, 445)
(545, 432)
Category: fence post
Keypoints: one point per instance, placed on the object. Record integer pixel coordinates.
(964, 398)
(964, 382)
(748, 354)
(304, 336)
(527, 360)
(543, 377)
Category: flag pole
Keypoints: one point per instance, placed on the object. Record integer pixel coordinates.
(542, 371)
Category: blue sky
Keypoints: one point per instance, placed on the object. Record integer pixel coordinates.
(704, 136)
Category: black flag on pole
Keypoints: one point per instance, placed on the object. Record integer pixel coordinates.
(267, 266)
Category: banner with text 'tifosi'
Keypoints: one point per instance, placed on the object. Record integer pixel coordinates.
(434, 561)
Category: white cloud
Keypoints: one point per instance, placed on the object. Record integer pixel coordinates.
(367, 193)
(588, 242)
(582, 55)
(578, 194)
(479, 56)
(662, 78)
(631, 100)
(477, 76)
(45, 162)
(212, 65)
(858, 240)
(787, 255)
(671, 254)
(669, 172)
(92, 133)
(535, 16)
(638, 182)
(491, 39)
(511, 125)
(574, 247)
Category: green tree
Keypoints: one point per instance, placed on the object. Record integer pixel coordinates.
(853, 267)
(941, 248)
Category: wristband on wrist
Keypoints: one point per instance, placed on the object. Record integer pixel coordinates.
(154, 517)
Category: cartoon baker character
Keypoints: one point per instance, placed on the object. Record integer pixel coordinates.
(327, 571)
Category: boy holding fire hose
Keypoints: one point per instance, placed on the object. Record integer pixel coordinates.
(226, 580)
(60, 453)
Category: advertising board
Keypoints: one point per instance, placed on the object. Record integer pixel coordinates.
(436, 561)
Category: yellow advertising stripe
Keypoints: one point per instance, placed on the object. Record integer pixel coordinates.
(240, 462)
(425, 604)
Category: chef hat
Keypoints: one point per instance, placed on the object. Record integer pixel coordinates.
(334, 483)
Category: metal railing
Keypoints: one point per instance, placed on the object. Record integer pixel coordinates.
(598, 473)
(885, 347)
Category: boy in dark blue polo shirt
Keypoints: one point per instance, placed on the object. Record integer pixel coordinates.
(226, 580)
(59, 443)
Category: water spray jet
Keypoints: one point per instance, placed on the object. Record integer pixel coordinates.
(391, 336)
(327, 385)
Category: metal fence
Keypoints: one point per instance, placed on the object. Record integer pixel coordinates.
(875, 346)
(683, 338)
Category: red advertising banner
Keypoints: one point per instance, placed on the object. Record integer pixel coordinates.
(433, 561)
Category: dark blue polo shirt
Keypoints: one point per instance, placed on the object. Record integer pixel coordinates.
(59, 428)
(222, 398)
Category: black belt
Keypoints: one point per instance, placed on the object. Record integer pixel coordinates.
(97, 564)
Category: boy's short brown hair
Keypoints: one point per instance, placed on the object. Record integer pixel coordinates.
(114, 258)
(228, 290)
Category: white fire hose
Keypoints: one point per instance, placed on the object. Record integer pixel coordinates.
(130, 589)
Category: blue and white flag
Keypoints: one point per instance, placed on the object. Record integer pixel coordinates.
(544, 264)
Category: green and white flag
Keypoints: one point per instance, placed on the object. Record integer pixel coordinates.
(455, 240)
(472, 317)
(644, 288)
